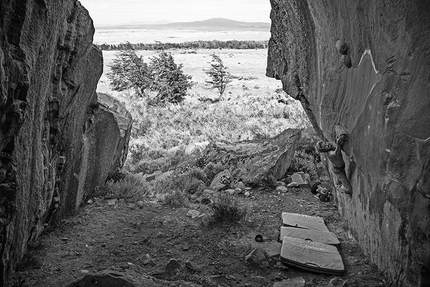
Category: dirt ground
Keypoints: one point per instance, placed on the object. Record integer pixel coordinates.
(120, 236)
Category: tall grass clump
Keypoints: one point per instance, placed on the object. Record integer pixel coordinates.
(130, 188)
(227, 210)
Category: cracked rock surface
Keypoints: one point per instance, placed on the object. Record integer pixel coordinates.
(365, 65)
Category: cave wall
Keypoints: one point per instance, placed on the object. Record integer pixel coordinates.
(378, 88)
(57, 142)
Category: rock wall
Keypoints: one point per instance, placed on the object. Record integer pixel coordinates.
(365, 64)
(56, 141)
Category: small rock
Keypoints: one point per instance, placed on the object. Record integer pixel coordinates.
(173, 265)
(103, 245)
(239, 191)
(140, 204)
(293, 184)
(248, 189)
(281, 266)
(192, 266)
(231, 191)
(205, 200)
(346, 60)
(90, 201)
(282, 189)
(292, 282)
(247, 194)
(193, 213)
(336, 282)
(257, 257)
(64, 239)
(112, 202)
(240, 185)
(84, 271)
(148, 260)
(186, 248)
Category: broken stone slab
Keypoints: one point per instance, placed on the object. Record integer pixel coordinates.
(301, 179)
(291, 282)
(256, 162)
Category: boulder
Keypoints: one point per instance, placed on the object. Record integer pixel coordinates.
(58, 140)
(365, 66)
(255, 162)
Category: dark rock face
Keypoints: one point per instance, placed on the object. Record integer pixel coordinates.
(366, 66)
(51, 150)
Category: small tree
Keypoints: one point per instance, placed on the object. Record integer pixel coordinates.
(169, 81)
(219, 77)
(129, 71)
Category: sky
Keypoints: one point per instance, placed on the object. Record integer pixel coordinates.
(114, 12)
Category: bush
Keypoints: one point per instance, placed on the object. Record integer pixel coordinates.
(129, 188)
(175, 199)
(226, 209)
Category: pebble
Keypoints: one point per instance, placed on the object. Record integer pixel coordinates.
(140, 204)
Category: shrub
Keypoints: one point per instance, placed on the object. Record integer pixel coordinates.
(175, 199)
(129, 188)
(226, 209)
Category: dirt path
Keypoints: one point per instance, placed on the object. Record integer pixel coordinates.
(121, 236)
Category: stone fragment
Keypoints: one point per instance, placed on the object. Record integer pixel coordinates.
(193, 214)
(257, 257)
(140, 204)
(230, 191)
(282, 189)
(293, 184)
(292, 282)
(337, 282)
(173, 266)
(300, 179)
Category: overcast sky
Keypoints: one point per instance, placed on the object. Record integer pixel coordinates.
(105, 12)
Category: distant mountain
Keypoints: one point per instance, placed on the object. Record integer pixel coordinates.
(210, 24)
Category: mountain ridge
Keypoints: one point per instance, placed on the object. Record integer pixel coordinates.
(212, 23)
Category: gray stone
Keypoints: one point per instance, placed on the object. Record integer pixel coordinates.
(292, 282)
(257, 257)
(193, 214)
(173, 266)
(282, 189)
(221, 181)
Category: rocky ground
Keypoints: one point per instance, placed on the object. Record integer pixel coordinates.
(151, 240)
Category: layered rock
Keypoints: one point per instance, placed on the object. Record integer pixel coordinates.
(365, 65)
(51, 150)
(255, 162)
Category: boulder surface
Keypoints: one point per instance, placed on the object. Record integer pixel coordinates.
(255, 162)
(365, 65)
(57, 141)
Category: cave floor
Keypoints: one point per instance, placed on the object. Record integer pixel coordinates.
(127, 238)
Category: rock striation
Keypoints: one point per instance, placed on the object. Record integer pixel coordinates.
(57, 142)
(256, 162)
(365, 65)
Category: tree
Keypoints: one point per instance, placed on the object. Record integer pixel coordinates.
(219, 77)
(162, 75)
(169, 81)
(129, 71)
